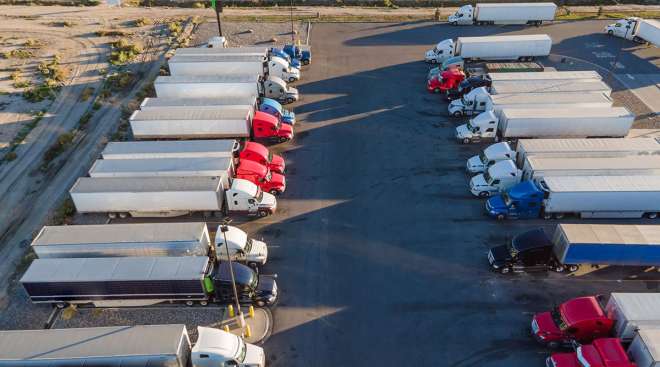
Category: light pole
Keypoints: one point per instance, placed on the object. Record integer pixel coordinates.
(292, 32)
(218, 9)
(224, 227)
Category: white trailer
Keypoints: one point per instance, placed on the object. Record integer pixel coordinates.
(631, 311)
(578, 122)
(208, 87)
(223, 168)
(636, 29)
(645, 347)
(479, 100)
(206, 51)
(232, 65)
(199, 103)
(602, 196)
(521, 47)
(170, 149)
(504, 13)
(123, 240)
(574, 148)
(549, 86)
(547, 75)
(219, 123)
(168, 196)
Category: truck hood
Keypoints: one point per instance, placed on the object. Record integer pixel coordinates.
(455, 104)
(278, 162)
(500, 254)
(563, 360)
(258, 252)
(496, 203)
(277, 179)
(479, 181)
(268, 201)
(546, 326)
(432, 73)
(474, 164)
(286, 130)
(429, 55)
(254, 356)
(463, 132)
(293, 92)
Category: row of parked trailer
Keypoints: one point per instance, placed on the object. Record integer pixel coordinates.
(199, 147)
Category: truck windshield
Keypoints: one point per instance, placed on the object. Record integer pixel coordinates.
(483, 158)
(269, 176)
(487, 176)
(469, 125)
(507, 199)
(248, 245)
(260, 195)
(270, 157)
(556, 317)
(242, 351)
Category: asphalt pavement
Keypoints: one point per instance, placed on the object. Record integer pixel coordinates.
(379, 246)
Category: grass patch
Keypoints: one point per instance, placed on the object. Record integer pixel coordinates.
(141, 22)
(84, 119)
(120, 82)
(66, 23)
(175, 28)
(566, 14)
(54, 77)
(64, 213)
(124, 52)
(63, 142)
(22, 134)
(112, 33)
(10, 156)
(17, 80)
(19, 53)
(34, 43)
(86, 93)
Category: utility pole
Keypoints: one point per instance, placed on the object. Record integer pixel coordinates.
(292, 31)
(217, 6)
(224, 227)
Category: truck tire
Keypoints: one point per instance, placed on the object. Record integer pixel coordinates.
(505, 270)
(484, 194)
(457, 114)
(436, 90)
(60, 305)
(123, 215)
(559, 215)
(262, 213)
(275, 192)
(547, 216)
(559, 268)
(500, 217)
(652, 215)
(260, 303)
(112, 215)
(453, 23)
(610, 33)
(204, 303)
(553, 345)
(290, 100)
(305, 62)
(253, 265)
(292, 79)
(573, 268)
(466, 141)
(433, 61)
(189, 303)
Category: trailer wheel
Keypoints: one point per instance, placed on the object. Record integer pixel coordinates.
(112, 215)
(204, 303)
(500, 217)
(505, 270)
(652, 215)
(292, 79)
(484, 194)
(274, 192)
(260, 303)
(610, 33)
(573, 268)
(123, 215)
(189, 303)
(60, 305)
(466, 141)
(262, 213)
(457, 114)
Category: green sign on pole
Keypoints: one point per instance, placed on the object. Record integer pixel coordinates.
(213, 4)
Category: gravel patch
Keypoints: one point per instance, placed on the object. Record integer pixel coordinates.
(251, 33)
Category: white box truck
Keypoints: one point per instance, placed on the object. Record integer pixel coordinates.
(630, 311)
(645, 347)
(138, 345)
(199, 103)
(123, 240)
(479, 100)
(231, 65)
(516, 123)
(191, 123)
(170, 149)
(636, 29)
(169, 196)
(504, 174)
(221, 86)
(504, 13)
(522, 47)
(549, 86)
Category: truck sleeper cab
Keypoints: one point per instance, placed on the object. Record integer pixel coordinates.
(272, 107)
(260, 175)
(448, 79)
(246, 250)
(253, 151)
(605, 352)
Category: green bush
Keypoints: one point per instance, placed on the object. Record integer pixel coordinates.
(19, 53)
(124, 51)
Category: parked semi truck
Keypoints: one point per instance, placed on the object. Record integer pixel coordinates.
(606, 352)
(250, 151)
(224, 86)
(218, 123)
(645, 348)
(232, 65)
(479, 100)
(584, 319)
(504, 174)
(144, 281)
(522, 47)
(169, 197)
(549, 86)
(575, 122)
(504, 13)
(636, 29)
(583, 196)
(268, 105)
(147, 239)
(137, 346)
(575, 245)
(448, 79)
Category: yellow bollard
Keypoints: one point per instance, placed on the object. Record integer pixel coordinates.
(230, 310)
(248, 331)
(226, 328)
(251, 311)
(298, 43)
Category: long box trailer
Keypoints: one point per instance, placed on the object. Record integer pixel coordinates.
(503, 47)
(210, 65)
(204, 51)
(547, 75)
(631, 311)
(549, 86)
(504, 13)
(198, 103)
(117, 346)
(645, 348)
(170, 149)
(570, 148)
(123, 240)
(564, 123)
(649, 31)
(207, 86)
(102, 280)
(634, 245)
(542, 166)
(222, 168)
(192, 123)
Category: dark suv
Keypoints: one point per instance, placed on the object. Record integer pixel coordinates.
(468, 84)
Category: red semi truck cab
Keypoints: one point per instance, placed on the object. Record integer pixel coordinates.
(261, 176)
(581, 319)
(267, 127)
(256, 152)
(447, 80)
(606, 352)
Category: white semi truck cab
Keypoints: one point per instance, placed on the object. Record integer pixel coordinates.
(497, 178)
(215, 348)
(489, 156)
(276, 88)
(483, 126)
(441, 52)
(241, 248)
(245, 196)
(281, 68)
(463, 16)
(474, 102)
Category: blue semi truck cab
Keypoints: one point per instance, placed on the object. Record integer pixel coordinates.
(274, 51)
(272, 107)
(524, 200)
(302, 53)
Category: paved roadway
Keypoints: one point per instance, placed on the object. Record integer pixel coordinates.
(379, 247)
